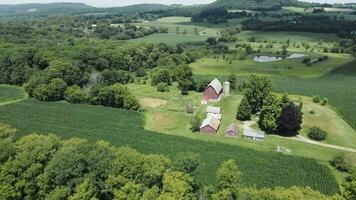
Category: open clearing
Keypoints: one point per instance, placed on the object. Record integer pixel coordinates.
(122, 127)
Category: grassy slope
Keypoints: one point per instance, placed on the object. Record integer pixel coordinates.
(10, 93)
(208, 66)
(122, 127)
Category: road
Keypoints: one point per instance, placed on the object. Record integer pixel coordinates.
(300, 138)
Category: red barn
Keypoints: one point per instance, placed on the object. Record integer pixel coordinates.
(213, 90)
(210, 125)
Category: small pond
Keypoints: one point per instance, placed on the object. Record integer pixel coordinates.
(264, 58)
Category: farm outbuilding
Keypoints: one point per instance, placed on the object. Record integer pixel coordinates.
(214, 111)
(210, 125)
(231, 130)
(254, 135)
(213, 90)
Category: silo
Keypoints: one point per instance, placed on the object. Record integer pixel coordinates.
(226, 88)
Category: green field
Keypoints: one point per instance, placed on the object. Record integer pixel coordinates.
(10, 93)
(286, 67)
(121, 127)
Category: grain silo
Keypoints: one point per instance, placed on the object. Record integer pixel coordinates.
(226, 88)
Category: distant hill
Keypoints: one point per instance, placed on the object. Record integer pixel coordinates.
(42, 8)
(36, 10)
(256, 4)
(141, 8)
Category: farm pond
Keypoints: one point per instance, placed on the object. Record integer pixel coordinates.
(267, 58)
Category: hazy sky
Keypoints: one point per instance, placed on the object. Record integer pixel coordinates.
(110, 3)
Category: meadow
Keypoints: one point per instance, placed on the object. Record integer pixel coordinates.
(285, 67)
(126, 128)
(10, 93)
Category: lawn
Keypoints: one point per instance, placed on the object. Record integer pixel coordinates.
(285, 67)
(122, 127)
(281, 36)
(11, 93)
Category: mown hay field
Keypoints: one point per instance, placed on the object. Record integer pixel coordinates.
(125, 128)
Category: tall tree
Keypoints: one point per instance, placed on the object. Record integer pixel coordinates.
(270, 113)
(256, 89)
(290, 121)
(244, 111)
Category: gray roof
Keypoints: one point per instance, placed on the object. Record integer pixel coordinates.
(253, 133)
(232, 127)
(212, 122)
(216, 85)
(213, 109)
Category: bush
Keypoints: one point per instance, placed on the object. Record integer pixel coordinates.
(195, 124)
(75, 94)
(339, 163)
(324, 101)
(316, 133)
(306, 60)
(162, 87)
(316, 99)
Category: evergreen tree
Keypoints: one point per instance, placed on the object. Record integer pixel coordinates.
(244, 110)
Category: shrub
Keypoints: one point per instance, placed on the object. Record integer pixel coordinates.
(316, 99)
(324, 101)
(75, 94)
(316, 133)
(195, 124)
(339, 163)
(306, 60)
(162, 87)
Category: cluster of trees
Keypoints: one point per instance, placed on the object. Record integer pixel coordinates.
(277, 115)
(310, 23)
(125, 32)
(48, 167)
(229, 34)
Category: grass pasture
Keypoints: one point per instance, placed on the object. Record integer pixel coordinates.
(10, 93)
(125, 128)
(285, 67)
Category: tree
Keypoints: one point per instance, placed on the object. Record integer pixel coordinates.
(244, 110)
(184, 86)
(232, 80)
(350, 186)
(53, 91)
(69, 72)
(256, 89)
(187, 163)
(228, 178)
(160, 75)
(285, 101)
(177, 186)
(75, 94)
(110, 77)
(117, 96)
(289, 122)
(270, 113)
(211, 41)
